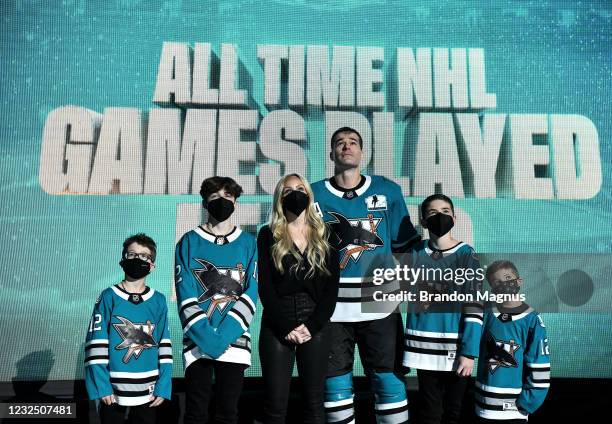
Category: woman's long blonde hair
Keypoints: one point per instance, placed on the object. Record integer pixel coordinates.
(317, 245)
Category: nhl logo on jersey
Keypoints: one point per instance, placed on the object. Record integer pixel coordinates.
(376, 202)
(136, 337)
(220, 240)
(436, 255)
(135, 298)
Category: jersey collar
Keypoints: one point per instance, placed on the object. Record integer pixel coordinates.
(361, 188)
(445, 252)
(525, 310)
(227, 238)
(145, 295)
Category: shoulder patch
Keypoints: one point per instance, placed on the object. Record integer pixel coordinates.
(376, 202)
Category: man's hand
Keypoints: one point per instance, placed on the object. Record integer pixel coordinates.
(157, 400)
(464, 369)
(108, 400)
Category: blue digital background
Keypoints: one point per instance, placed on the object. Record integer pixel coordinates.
(59, 252)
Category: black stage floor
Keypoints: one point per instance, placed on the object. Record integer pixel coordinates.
(567, 401)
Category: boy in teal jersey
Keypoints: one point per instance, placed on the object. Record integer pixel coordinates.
(442, 339)
(128, 353)
(514, 368)
(216, 288)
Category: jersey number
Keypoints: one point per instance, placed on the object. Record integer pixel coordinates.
(94, 323)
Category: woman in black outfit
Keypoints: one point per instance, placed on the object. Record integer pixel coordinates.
(298, 288)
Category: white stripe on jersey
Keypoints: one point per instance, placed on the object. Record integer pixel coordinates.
(124, 374)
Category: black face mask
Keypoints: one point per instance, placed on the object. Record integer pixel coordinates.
(135, 268)
(506, 287)
(439, 224)
(295, 202)
(220, 208)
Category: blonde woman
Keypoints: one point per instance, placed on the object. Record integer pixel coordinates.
(298, 288)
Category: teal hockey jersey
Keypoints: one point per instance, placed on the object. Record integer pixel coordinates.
(514, 366)
(370, 222)
(216, 289)
(436, 336)
(128, 351)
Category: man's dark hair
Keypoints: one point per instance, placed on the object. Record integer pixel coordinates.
(345, 129)
(143, 240)
(433, 197)
(214, 184)
(497, 265)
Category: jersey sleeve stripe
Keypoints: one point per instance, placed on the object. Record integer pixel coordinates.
(244, 309)
(194, 318)
(188, 300)
(189, 309)
(96, 352)
(96, 362)
(164, 351)
(96, 341)
(94, 357)
(532, 365)
(238, 317)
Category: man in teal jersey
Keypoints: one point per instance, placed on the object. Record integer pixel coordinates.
(370, 219)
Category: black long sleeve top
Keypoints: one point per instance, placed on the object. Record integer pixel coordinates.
(277, 291)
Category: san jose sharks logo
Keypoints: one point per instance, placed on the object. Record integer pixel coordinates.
(501, 353)
(136, 337)
(355, 236)
(222, 285)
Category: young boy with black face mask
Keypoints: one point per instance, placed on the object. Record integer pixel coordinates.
(216, 288)
(128, 353)
(514, 367)
(442, 339)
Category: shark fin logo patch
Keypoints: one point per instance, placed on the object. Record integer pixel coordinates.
(222, 285)
(355, 236)
(136, 337)
(500, 353)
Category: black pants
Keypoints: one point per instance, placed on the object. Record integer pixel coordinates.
(484, 421)
(115, 414)
(228, 386)
(277, 359)
(380, 343)
(441, 394)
